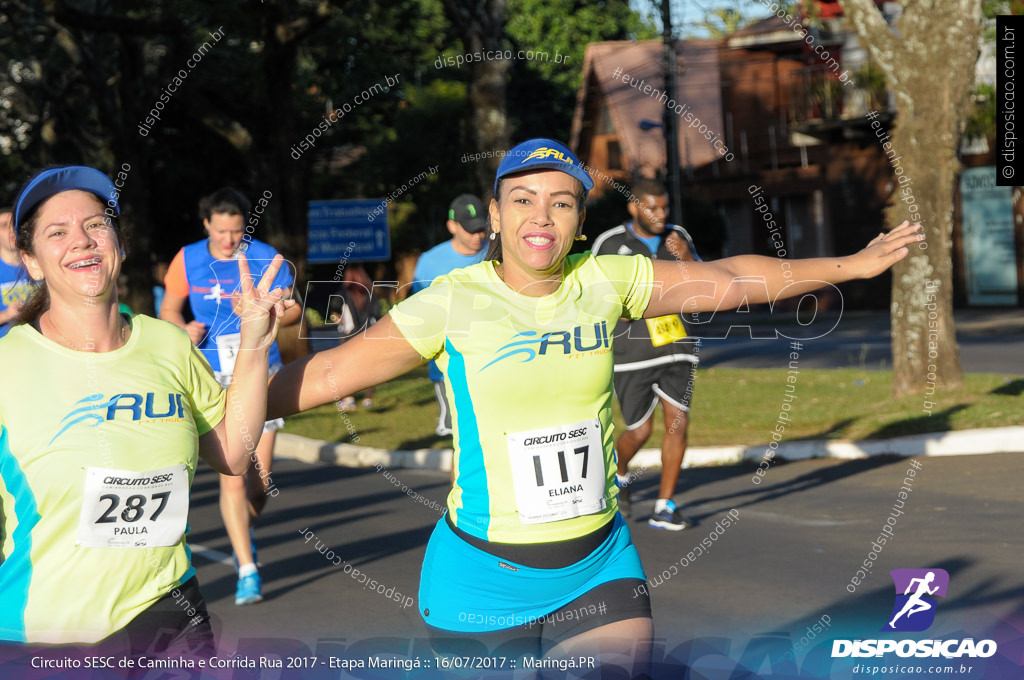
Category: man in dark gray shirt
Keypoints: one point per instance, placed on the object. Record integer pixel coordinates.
(654, 359)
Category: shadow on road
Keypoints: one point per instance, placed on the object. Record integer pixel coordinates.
(307, 559)
(940, 421)
(833, 432)
(810, 480)
(1010, 389)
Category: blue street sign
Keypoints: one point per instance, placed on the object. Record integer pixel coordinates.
(352, 230)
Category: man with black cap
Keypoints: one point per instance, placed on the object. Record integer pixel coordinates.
(466, 223)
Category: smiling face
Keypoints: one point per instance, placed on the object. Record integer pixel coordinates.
(538, 216)
(225, 233)
(74, 250)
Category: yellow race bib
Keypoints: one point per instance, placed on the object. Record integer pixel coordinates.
(665, 329)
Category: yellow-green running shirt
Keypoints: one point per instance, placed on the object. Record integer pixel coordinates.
(97, 454)
(530, 385)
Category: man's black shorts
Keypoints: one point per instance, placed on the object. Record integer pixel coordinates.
(638, 391)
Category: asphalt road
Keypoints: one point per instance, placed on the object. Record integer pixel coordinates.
(784, 565)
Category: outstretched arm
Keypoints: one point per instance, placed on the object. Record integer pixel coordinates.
(685, 287)
(228, 447)
(376, 356)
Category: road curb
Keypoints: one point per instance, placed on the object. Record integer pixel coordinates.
(308, 450)
(957, 443)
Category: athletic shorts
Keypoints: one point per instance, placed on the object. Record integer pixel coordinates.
(607, 603)
(176, 625)
(638, 392)
(271, 425)
(519, 602)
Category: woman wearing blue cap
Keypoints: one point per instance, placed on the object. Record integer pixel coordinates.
(102, 418)
(532, 551)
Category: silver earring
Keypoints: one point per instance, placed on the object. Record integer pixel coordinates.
(493, 235)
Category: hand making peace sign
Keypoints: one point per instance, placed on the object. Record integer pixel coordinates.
(260, 308)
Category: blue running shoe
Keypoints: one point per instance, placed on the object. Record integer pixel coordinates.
(248, 590)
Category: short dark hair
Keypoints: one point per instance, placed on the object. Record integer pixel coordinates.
(645, 186)
(227, 201)
(6, 209)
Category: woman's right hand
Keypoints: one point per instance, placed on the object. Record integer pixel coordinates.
(260, 308)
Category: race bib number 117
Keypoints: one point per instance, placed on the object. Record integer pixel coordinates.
(558, 472)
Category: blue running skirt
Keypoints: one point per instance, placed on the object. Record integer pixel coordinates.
(467, 590)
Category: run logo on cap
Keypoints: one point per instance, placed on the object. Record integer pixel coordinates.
(547, 152)
(543, 154)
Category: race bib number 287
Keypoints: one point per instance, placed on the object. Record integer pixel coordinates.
(125, 509)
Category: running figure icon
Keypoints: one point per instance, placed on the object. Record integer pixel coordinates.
(915, 603)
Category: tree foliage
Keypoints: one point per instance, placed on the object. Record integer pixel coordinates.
(558, 32)
(81, 76)
(723, 21)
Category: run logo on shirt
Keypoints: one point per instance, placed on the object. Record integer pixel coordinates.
(96, 408)
(216, 293)
(571, 343)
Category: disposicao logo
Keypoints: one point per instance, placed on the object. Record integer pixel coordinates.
(545, 152)
(913, 611)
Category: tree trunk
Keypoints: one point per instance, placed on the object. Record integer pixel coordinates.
(930, 68)
(283, 29)
(286, 220)
(924, 348)
(490, 129)
(135, 195)
(481, 27)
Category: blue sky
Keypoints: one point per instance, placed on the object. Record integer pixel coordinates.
(687, 13)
